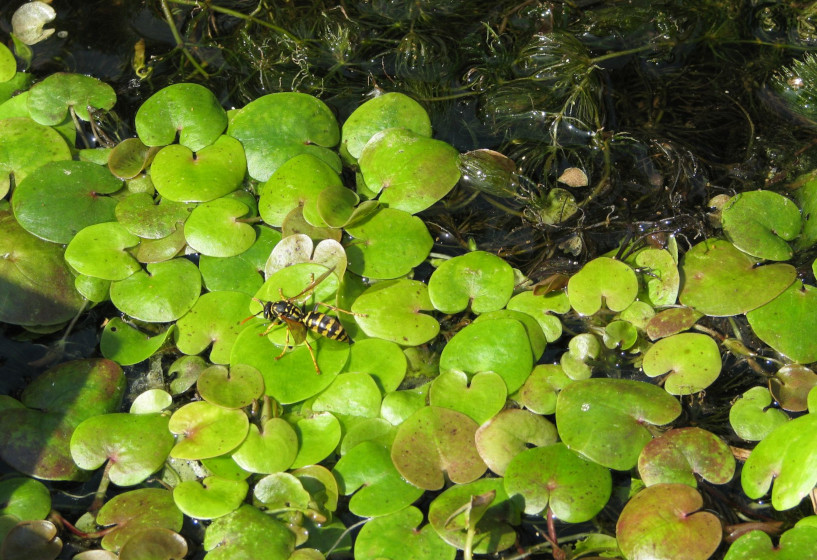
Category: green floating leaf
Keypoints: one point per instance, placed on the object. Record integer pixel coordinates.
(604, 419)
(799, 543)
(397, 536)
(761, 223)
(434, 443)
(279, 126)
(205, 430)
(478, 399)
(350, 394)
(279, 490)
(60, 198)
(751, 416)
(143, 217)
(136, 511)
(189, 110)
(270, 450)
(100, 250)
(788, 322)
(682, 455)
(606, 278)
(241, 272)
(214, 228)
(388, 244)
(384, 360)
(231, 388)
(50, 100)
(663, 521)
(211, 172)
(509, 433)
(36, 440)
(542, 308)
(411, 172)
(390, 110)
(162, 294)
(150, 401)
(8, 64)
(791, 386)
(214, 319)
(720, 280)
(126, 345)
(496, 345)
(25, 146)
(38, 287)
(129, 158)
(555, 477)
(24, 498)
(582, 348)
(787, 456)
(135, 444)
(660, 276)
(452, 513)
(318, 436)
(391, 310)
(807, 201)
(367, 472)
(539, 392)
(671, 321)
(31, 539)
(248, 533)
(478, 279)
(297, 182)
(690, 361)
(292, 378)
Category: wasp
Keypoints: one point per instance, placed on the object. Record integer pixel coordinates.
(297, 321)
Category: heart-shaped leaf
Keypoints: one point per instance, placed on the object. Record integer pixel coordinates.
(435, 442)
(603, 419)
(478, 279)
(206, 430)
(691, 361)
(351, 394)
(397, 536)
(391, 310)
(25, 146)
(605, 278)
(795, 544)
(126, 345)
(50, 100)
(231, 388)
(24, 498)
(761, 223)
(682, 454)
(135, 444)
(480, 399)
(143, 217)
(162, 294)
(214, 228)
(509, 433)
(214, 319)
(100, 250)
(248, 533)
(751, 416)
(135, 511)
(663, 521)
(268, 451)
(787, 322)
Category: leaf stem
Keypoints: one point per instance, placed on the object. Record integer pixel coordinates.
(179, 41)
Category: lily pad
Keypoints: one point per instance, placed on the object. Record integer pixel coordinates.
(162, 294)
(690, 361)
(761, 223)
(391, 310)
(297, 182)
(672, 321)
(60, 198)
(26, 145)
(214, 228)
(397, 536)
(606, 278)
(435, 443)
(390, 110)
(136, 445)
(350, 394)
(751, 416)
(788, 456)
(663, 521)
(787, 322)
(270, 450)
(136, 511)
(509, 433)
(410, 171)
(38, 287)
(497, 345)
(542, 308)
(231, 388)
(154, 541)
(214, 319)
(539, 392)
(50, 100)
(720, 280)
(8, 65)
(240, 273)
(206, 430)
(604, 419)
(388, 244)
(189, 110)
(100, 250)
(382, 359)
(798, 543)
(248, 533)
(478, 279)
(211, 172)
(32, 539)
(791, 386)
(367, 472)
(37, 437)
(478, 399)
(682, 455)
(481, 506)
(279, 126)
(282, 490)
(660, 276)
(129, 158)
(24, 498)
(126, 345)
(555, 477)
(318, 436)
(142, 216)
(583, 349)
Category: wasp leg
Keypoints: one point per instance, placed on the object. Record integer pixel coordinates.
(268, 329)
(333, 308)
(312, 355)
(286, 346)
